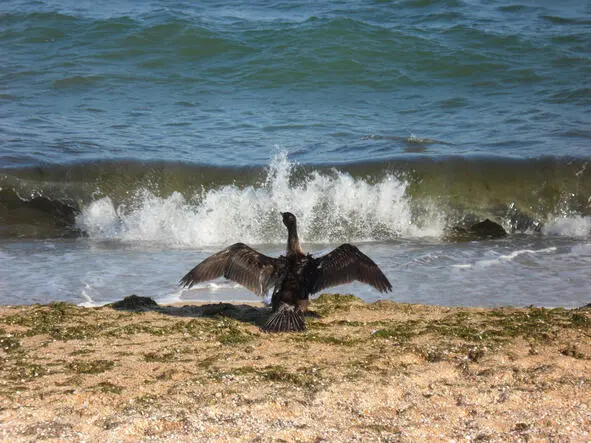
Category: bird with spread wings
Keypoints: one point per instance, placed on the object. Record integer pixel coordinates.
(293, 276)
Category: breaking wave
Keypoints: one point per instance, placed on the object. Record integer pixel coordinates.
(331, 206)
(188, 205)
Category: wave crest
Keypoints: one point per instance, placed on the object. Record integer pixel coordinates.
(332, 206)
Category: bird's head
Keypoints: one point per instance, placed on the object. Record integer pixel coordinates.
(288, 219)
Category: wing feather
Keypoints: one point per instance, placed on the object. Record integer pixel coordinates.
(346, 264)
(240, 263)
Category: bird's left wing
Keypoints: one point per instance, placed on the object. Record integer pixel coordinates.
(346, 264)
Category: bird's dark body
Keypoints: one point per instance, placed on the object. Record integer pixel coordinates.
(294, 276)
(294, 285)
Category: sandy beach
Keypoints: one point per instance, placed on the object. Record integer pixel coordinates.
(361, 372)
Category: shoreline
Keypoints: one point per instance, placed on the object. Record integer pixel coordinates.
(379, 371)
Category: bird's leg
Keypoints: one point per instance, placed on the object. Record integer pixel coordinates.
(275, 301)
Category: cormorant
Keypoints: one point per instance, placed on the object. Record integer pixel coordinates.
(294, 276)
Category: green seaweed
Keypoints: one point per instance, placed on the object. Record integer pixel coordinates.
(208, 362)
(572, 350)
(539, 324)
(81, 331)
(401, 332)
(50, 320)
(195, 327)
(51, 314)
(329, 303)
(10, 344)
(457, 330)
(326, 339)
(146, 400)
(159, 357)
(108, 387)
(303, 377)
(228, 333)
(82, 352)
(580, 320)
(23, 370)
(139, 328)
(90, 366)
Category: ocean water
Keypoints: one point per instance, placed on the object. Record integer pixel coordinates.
(138, 137)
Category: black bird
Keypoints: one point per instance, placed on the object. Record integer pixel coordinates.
(294, 276)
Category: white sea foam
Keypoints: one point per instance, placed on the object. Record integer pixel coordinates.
(171, 298)
(504, 258)
(576, 226)
(330, 207)
(86, 294)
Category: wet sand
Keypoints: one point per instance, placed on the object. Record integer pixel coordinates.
(361, 372)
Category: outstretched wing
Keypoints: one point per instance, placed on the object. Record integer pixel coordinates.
(239, 263)
(346, 264)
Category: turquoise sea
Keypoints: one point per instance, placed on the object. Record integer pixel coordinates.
(137, 137)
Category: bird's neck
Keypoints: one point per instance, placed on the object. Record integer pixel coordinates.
(293, 242)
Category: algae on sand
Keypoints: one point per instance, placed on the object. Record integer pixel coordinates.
(90, 366)
(167, 361)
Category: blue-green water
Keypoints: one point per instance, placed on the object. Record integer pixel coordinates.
(170, 127)
(225, 82)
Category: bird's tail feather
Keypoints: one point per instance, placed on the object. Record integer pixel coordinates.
(287, 318)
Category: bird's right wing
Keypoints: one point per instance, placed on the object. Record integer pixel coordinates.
(346, 264)
(240, 263)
